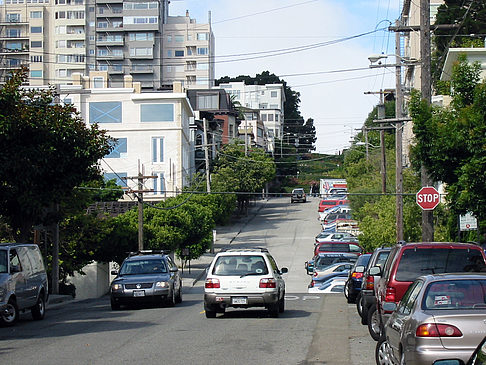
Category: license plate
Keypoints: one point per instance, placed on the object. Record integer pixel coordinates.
(239, 300)
(139, 293)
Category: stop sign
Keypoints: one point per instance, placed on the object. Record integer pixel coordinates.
(428, 198)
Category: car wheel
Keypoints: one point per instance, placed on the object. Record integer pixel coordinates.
(39, 309)
(114, 304)
(383, 352)
(273, 310)
(281, 304)
(374, 324)
(11, 313)
(210, 312)
(359, 304)
(171, 298)
(178, 298)
(364, 315)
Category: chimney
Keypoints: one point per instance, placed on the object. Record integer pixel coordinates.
(187, 13)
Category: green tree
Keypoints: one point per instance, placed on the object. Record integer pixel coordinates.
(451, 140)
(47, 150)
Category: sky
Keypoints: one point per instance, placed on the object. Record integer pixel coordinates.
(331, 75)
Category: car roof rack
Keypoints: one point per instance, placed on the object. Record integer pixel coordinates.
(148, 252)
(244, 249)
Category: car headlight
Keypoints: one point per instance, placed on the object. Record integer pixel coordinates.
(116, 287)
(161, 284)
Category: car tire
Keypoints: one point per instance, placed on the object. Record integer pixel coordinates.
(11, 315)
(382, 352)
(209, 311)
(359, 304)
(114, 304)
(402, 359)
(273, 309)
(39, 309)
(281, 304)
(178, 298)
(374, 323)
(364, 315)
(171, 298)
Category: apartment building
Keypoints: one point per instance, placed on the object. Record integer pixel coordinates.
(268, 99)
(188, 52)
(151, 131)
(58, 38)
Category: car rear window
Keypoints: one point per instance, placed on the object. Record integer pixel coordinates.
(416, 262)
(455, 294)
(336, 247)
(325, 261)
(240, 265)
(329, 202)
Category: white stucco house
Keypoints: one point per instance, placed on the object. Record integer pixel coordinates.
(151, 130)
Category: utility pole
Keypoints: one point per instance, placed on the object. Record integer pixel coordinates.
(140, 178)
(426, 89)
(206, 155)
(398, 139)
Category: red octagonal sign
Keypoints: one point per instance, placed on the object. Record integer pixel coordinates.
(428, 198)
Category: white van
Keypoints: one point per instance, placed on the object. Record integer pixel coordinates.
(23, 282)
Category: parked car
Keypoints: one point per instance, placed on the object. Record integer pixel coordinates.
(325, 259)
(408, 261)
(317, 281)
(439, 317)
(244, 278)
(332, 236)
(298, 195)
(23, 282)
(368, 299)
(146, 276)
(333, 217)
(333, 285)
(328, 203)
(338, 246)
(352, 289)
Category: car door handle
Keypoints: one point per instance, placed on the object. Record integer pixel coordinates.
(396, 326)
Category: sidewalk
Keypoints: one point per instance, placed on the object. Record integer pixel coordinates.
(225, 235)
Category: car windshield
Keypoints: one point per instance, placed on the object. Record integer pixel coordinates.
(140, 267)
(240, 265)
(3, 261)
(455, 294)
(416, 262)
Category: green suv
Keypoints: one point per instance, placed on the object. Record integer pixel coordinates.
(146, 276)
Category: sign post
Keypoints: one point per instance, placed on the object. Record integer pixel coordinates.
(428, 198)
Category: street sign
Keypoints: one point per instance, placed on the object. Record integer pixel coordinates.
(468, 222)
(428, 198)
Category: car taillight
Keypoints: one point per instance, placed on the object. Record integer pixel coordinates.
(370, 282)
(357, 275)
(268, 283)
(390, 295)
(437, 330)
(212, 284)
(312, 284)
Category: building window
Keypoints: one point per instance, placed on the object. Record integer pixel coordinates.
(157, 149)
(61, 44)
(102, 24)
(202, 36)
(35, 58)
(169, 53)
(141, 36)
(36, 14)
(270, 117)
(203, 66)
(208, 102)
(141, 51)
(169, 38)
(119, 149)
(264, 117)
(157, 113)
(36, 73)
(202, 51)
(105, 112)
(117, 176)
(140, 19)
(36, 44)
(276, 117)
(36, 29)
(158, 183)
(273, 94)
(274, 106)
(98, 82)
(179, 38)
(179, 53)
(13, 18)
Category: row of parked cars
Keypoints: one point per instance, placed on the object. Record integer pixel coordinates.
(424, 303)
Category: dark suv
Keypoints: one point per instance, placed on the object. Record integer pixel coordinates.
(298, 195)
(146, 276)
(408, 261)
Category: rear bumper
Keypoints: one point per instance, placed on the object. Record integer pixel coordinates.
(224, 300)
(427, 356)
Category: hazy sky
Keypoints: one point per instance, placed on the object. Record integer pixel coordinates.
(332, 91)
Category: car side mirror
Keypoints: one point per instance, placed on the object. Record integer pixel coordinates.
(15, 268)
(174, 269)
(114, 272)
(375, 271)
(360, 269)
(284, 270)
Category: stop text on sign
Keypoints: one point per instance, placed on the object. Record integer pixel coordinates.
(428, 198)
